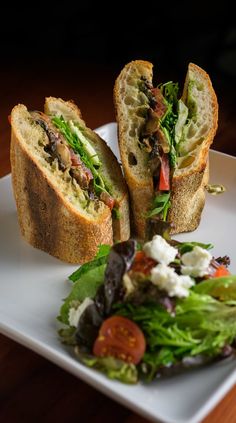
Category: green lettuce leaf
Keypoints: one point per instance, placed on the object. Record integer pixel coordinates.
(223, 288)
(100, 258)
(182, 118)
(85, 287)
(112, 367)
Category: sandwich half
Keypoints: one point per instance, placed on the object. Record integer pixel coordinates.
(68, 186)
(164, 142)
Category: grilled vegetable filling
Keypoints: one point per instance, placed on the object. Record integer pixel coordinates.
(157, 138)
(172, 131)
(69, 146)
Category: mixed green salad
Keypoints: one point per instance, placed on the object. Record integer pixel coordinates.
(138, 312)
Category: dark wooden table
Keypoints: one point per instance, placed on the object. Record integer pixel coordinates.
(31, 388)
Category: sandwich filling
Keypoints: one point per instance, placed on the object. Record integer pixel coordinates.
(171, 134)
(157, 138)
(74, 154)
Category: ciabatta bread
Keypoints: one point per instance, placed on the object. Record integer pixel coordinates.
(190, 175)
(55, 214)
(192, 172)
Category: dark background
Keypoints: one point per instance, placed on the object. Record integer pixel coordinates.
(167, 33)
(59, 48)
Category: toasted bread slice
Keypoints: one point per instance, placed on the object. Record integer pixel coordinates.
(53, 211)
(110, 166)
(131, 106)
(191, 173)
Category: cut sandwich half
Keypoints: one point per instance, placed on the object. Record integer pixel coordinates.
(68, 186)
(164, 142)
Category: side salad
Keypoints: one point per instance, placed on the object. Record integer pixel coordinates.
(137, 312)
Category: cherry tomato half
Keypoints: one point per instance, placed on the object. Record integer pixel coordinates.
(221, 271)
(142, 263)
(121, 338)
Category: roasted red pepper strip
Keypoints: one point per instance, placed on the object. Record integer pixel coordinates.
(164, 181)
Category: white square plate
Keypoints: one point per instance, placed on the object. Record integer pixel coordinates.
(33, 284)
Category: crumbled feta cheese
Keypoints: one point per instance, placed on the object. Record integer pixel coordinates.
(196, 262)
(75, 313)
(168, 280)
(160, 250)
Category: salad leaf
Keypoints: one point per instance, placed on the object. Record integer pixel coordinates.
(88, 326)
(182, 334)
(67, 335)
(103, 250)
(201, 325)
(161, 204)
(223, 288)
(100, 258)
(112, 367)
(119, 262)
(155, 226)
(85, 287)
(185, 247)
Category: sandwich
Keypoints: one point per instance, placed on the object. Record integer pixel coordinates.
(164, 141)
(68, 185)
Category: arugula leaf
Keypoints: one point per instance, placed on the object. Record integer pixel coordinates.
(165, 210)
(112, 367)
(185, 247)
(170, 92)
(78, 147)
(161, 204)
(85, 287)
(100, 258)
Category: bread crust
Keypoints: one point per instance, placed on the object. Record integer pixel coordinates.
(187, 201)
(188, 185)
(47, 220)
(140, 188)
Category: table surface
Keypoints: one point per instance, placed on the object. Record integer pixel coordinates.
(32, 388)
